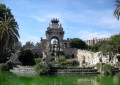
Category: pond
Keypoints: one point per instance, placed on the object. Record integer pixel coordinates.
(8, 78)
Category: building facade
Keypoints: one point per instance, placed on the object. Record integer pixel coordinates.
(95, 40)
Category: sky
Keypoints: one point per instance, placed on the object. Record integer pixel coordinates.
(84, 19)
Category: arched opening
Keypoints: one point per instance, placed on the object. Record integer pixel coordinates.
(54, 44)
(65, 45)
(72, 56)
(44, 45)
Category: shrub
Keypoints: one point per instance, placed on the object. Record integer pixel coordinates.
(42, 68)
(70, 62)
(27, 57)
(38, 60)
(60, 53)
(107, 69)
(52, 58)
(62, 58)
(98, 66)
(3, 66)
(68, 56)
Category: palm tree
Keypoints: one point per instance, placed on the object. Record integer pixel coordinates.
(117, 10)
(8, 32)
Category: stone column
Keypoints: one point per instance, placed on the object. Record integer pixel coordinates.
(68, 43)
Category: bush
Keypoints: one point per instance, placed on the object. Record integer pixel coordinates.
(42, 68)
(70, 62)
(38, 60)
(52, 58)
(3, 66)
(107, 69)
(27, 57)
(61, 59)
(98, 66)
(60, 53)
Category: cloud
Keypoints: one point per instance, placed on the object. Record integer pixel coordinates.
(39, 18)
(91, 34)
(103, 18)
(29, 37)
(110, 22)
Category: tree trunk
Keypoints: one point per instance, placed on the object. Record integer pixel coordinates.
(1, 54)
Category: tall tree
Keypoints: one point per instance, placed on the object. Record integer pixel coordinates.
(108, 48)
(28, 45)
(116, 40)
(17, 46)
(117, 10)
(77, 43)
(38, 45)
(8, 28)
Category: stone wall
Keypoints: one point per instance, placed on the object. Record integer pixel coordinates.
(91, 58)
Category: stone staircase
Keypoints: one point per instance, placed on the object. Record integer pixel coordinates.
(23, 69)
(73, 70)
(115, 70)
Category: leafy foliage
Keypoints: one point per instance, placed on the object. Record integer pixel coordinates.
(38, 60)
(117, 10)
(107, 69)
(62, 59)
(8, 27)
(8, 30)
(41, 68)
(17, 46)
(38, 45)
(70, 62)
(110, 48)
(60, 53)
(28, 45)
(116, 40)
(3, 66)
(77, 43)
(27, 57)
(98, 66)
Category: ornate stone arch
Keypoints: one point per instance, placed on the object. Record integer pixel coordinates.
(55, 31)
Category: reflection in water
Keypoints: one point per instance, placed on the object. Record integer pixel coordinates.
(7, 78)
(87, 80)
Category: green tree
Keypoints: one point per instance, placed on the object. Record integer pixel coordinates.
(117, 10)
(99, 44)
(8, 29)
(108, 48)
(77, 43)
(27, 57)
(38, 45)
(28, 45)
(116, 40)
(17, 46)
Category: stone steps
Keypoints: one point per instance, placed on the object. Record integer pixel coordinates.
(57, 73)
(75, 70)
(23, 69)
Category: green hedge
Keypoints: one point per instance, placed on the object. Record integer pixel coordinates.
(3, 66)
